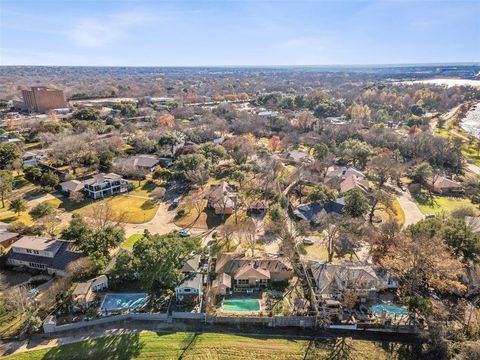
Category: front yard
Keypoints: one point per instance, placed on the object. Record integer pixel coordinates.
(440, 204)
(132, 209)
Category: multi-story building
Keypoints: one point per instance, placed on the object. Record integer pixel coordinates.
(251, 272)
(102, 185)
(42, 99)
(44, 254)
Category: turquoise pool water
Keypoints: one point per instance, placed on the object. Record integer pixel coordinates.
(121, 301)
(239, 305)
(389, 309)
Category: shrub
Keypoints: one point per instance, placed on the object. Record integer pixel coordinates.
(148, 204)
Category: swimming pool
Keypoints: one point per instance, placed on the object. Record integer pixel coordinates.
(123, 301)
(239, 305)
(389, 309)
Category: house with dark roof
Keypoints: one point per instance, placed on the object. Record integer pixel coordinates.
(223, 198)
(252, 272)
(314, 211)
(102, 185)
(44, 254)
(187, 148)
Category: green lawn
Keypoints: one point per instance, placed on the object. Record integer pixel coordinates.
(144, 189)
(9, 216)
(442, 204)
(151, 345)
(135, 210)
(469, 149)
(11, 323)
(316, 252)
(132, 210)
(132, 239)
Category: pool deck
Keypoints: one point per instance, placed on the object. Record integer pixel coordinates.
(259, 296)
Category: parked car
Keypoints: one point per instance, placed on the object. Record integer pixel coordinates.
(176, 201)
(205, 267)
(429, 216)
(184, 233)
(308, 242)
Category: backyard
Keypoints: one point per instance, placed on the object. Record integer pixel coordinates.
(151, 345)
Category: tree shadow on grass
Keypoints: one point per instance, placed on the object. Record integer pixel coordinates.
(425, 199)
(214, 220)
(187, 344)
(111, 348)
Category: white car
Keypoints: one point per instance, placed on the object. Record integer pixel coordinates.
(308, 242)
(184, 233)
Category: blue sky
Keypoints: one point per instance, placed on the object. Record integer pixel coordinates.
(256, 32)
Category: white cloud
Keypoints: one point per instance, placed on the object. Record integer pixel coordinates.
(92, 33)
(96, 33)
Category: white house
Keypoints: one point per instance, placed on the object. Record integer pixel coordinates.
(190, 289)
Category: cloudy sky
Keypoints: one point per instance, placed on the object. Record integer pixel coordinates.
(228, 32)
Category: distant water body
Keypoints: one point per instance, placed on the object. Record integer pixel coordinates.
(471, 122)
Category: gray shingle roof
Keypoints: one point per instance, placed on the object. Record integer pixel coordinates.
(60, 261)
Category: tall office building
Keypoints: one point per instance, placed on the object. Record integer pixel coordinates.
(42, 99)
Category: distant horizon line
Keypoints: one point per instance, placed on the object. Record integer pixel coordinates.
(474, 63)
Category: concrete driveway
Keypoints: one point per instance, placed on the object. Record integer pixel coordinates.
(410, 208)
(161, 223)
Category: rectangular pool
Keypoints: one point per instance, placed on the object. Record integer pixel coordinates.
(388, 309)
(123, 301)
(239, 305)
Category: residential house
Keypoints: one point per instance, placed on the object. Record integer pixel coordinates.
(187, 148)
(84, 293)
(33, 157)
(189, 291)
(191, 265)
(257, 207)
(222, 284)
(223, 198)
(7, 238)
(44, 254)
(71, 186)
(295, 157)
(253, 273)
(102, 185)
(443, 185)
(345, 179)
(145, 162)
(314, 211)
(331, 280)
